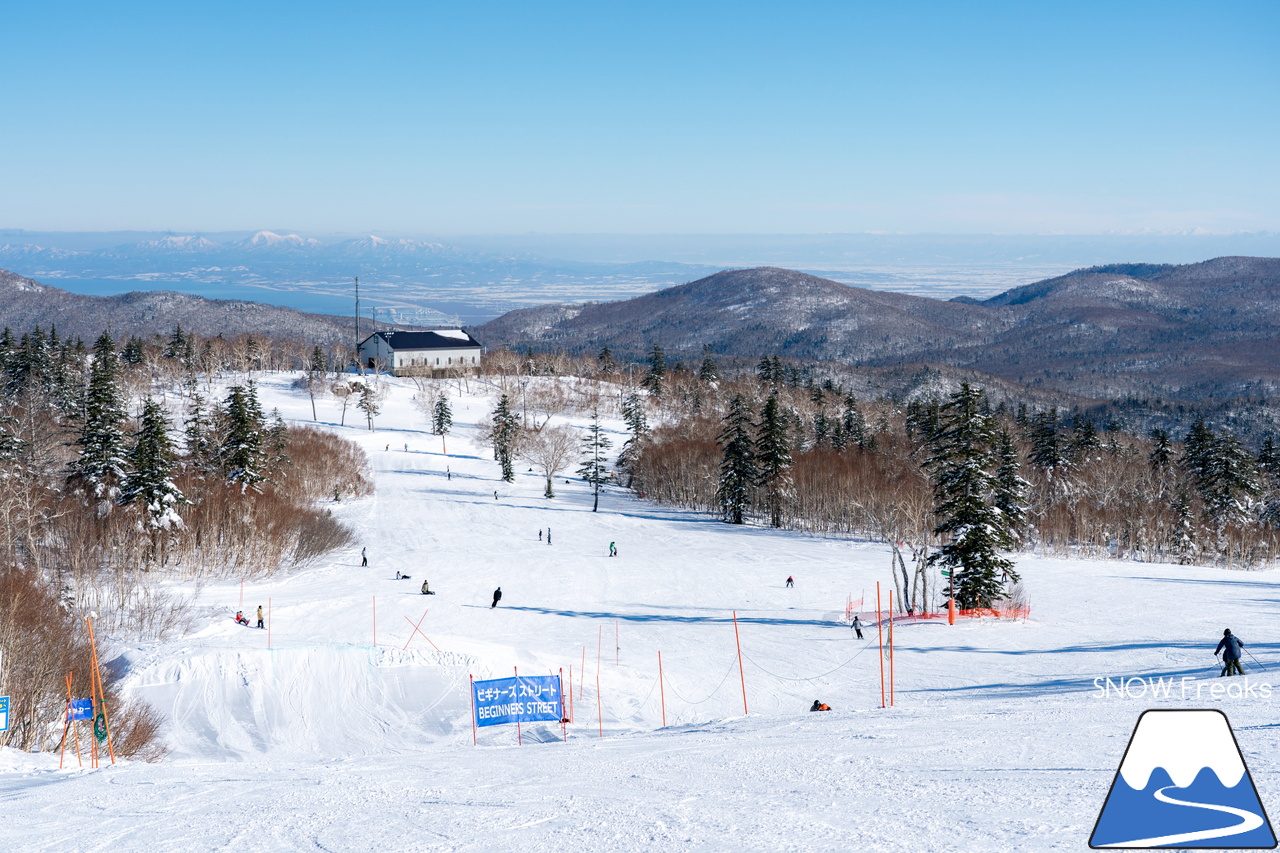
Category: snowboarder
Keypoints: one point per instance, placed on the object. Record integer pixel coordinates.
(539, 534)
(261, 624)
(406, 447)
(448, 475)
(497, 596)
(240, 620)
(856, 625)
(426, 590)
(388, 447)
(1230, 647)
(820, 706)
(495, 494)
(548, 535)
(401, 577)
(364, 558)
(791, 581)
(613, 549)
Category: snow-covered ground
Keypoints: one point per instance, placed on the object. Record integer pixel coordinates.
(325, 741)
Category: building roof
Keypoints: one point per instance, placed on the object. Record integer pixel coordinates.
(439, 339)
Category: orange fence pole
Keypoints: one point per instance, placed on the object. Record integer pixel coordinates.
(880, 631)
(741, 676)
(662, 690)
(106, 720)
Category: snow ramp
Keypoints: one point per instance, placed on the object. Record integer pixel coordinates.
(326, 701)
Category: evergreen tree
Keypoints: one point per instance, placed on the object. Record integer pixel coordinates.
(1229, 483)
(606, 360)
(12, 448)
(1084, 437)
(504, 434)
(441, 415)
(963, 465)
(854, 425)
(1010, 488)
(1269, 472)
(134, 351)
(657, 371)
(738, 465)
(202, 444)
(241, 454)
(149, 484)
(368, 403)
(177, 346)
(317, 370)
(594, 469)
(708, 371)
(1197, 450)
(277, 445)
(1046, 448)
(100, 466)
(773, 460)
(1161, 456)
(638, 425)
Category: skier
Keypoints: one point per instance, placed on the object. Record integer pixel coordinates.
(791, 581)
(425, 590)
(495, 494)
(613, 549)
(820, 706)
(548, 535)
(1230, 647)
(448, 475)
(497, 596)
(388, 447)
(539, 534)
(406, 447)
(240, 620)
(857, 626)
(364, 558)
(261, 624)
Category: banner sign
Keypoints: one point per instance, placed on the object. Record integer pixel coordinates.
(81, 709)
(4, 713)
(523, 699)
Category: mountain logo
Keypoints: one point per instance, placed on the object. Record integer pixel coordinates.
(1183, 784)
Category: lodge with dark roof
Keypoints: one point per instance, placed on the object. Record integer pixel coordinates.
(421, 353)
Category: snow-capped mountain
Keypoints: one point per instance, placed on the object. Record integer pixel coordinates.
(270, 240)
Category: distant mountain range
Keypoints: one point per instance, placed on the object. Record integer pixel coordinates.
(25, 304)
(1200, 331)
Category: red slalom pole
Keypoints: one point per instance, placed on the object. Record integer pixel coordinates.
(741, 676)
(880, 631)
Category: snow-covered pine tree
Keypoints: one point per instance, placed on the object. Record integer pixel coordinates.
(1230, 483)
(1046, 449)
(773, 459)
(854, 426)
(962, 464)
(441, 415)
(100, 465)
(657, 371)
(148, 486)
(504, 433)
(594, 468)
(277, 445)
(1011, 489)
(1269, 475)
(240, 455)
(738, 465)
(606, 360)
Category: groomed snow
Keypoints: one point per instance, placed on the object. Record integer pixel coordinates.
(999, 739)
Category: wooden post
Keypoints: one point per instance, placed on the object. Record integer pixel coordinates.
(880, 631)
(519, 736)
(741, 675)
(563, 726)
(106, 720)
(890, 648)
(662, 691)
(472, 693)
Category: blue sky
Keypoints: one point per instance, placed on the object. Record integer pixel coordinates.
(710, 117)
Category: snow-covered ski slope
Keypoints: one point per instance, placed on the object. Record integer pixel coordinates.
(998, 741)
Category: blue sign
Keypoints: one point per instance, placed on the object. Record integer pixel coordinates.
(4, 713)
(81, 709)
(523, 699)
